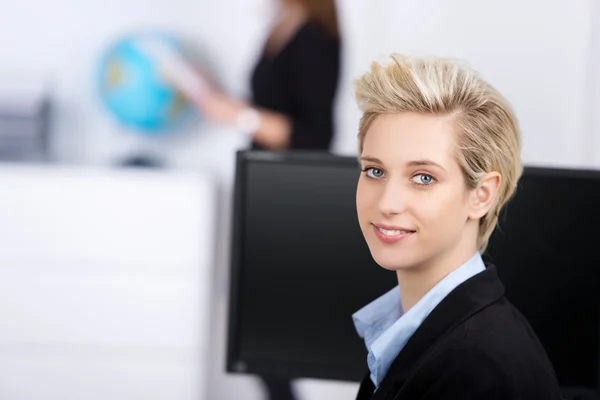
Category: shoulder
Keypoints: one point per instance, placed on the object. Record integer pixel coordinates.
(502, 333)
(503, 330)
(493, 352)
(467, 357)
(313, 37)
(464, 370)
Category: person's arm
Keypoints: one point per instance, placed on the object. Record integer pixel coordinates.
(267, 127)
(274, 130)
(271, 129)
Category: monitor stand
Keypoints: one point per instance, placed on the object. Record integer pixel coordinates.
(278, 388)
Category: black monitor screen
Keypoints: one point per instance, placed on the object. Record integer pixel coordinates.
(300, 267)
(545, 250)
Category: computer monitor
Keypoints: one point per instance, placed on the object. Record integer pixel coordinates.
(545, 250)
(301, 267)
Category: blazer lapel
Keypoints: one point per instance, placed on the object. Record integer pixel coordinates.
(465, 300)
(365, 391)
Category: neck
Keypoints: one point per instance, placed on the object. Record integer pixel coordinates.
(287, 23)
(292, 13)
(416, 281)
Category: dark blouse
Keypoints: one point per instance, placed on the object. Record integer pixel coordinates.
(301, 82)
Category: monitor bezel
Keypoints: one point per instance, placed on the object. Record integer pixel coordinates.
(292, 370)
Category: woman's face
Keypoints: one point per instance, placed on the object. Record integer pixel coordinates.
(412, 202)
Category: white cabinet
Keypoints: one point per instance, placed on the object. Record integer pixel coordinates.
(105, 279)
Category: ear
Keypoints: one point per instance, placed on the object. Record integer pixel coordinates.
(483, 197)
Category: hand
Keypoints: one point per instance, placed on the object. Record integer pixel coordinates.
(220, 108)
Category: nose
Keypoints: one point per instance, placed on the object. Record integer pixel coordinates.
(393, 199)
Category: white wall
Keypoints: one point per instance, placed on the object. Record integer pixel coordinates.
(593, 88)
(538, 52)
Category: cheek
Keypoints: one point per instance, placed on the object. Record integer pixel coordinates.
(440, 211)
(365, 198)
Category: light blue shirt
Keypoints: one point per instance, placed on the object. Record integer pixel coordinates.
(385, 328)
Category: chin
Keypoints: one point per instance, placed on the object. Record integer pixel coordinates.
(393, 259)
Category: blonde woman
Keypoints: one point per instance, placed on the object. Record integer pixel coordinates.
(440, 156)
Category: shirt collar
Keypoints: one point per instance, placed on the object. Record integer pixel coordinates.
(384, 326)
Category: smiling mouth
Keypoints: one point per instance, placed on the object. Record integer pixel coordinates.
(393, 232)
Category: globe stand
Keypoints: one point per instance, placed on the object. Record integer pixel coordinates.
(140, 151)
(141, 161)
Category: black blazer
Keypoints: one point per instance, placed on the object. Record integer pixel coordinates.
(474, 345)
(301, 82)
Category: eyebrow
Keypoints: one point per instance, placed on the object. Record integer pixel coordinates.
(417, 163)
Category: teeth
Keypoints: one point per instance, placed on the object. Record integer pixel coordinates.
(392, 232)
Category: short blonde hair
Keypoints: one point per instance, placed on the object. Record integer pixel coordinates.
(488, 134)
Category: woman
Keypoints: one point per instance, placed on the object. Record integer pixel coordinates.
(293, 84)
(440, 156)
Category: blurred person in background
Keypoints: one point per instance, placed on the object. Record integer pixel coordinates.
(293, 90)
(293, 84)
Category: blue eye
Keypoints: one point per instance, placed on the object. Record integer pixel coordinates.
(374, 173)
(423, 179)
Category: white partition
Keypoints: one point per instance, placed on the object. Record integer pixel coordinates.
(105, 279)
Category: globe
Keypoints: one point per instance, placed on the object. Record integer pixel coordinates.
(135, 92)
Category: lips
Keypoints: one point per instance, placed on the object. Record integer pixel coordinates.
(392, 234)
